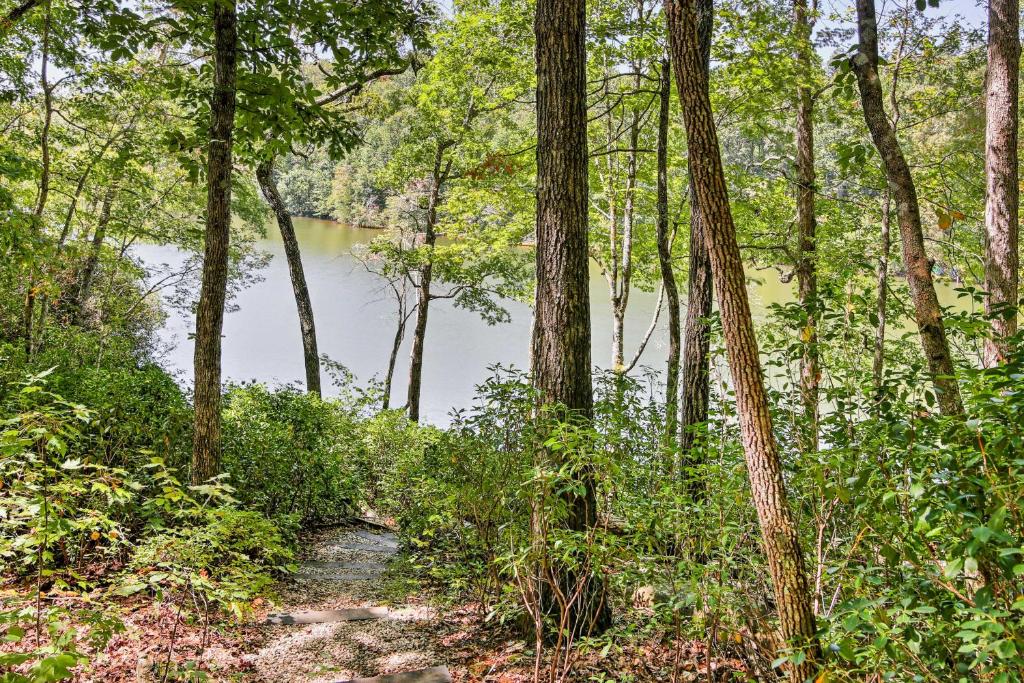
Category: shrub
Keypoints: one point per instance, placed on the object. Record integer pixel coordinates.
(289, 453)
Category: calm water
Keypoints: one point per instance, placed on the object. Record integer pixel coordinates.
(355, 318)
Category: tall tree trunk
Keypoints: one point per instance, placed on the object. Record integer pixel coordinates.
(93, 259)
(206, 446)
(561, 334)
(806, 269)
(622, 287)
(778, 529)
(668, 275)
(881, 310)
(310, 355)
(44, 177)
(1002, 192)
(696, 367)
(396, 344)
(437, 179)
(927, 311)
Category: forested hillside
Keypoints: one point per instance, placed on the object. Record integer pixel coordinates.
(830, 491)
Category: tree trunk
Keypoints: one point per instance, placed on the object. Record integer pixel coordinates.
(881, 310)
(396, 345)
(93, 259)
(668, 276)
(206, 444)
(561, 334)
(437, 179)
(44, 178)
(696, 368)
(1002, 259)
(782, 548)
(621, 299)
(310, 355)
(927, 311)
(806, 269)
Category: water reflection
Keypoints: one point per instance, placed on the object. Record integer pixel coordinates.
(355, 318)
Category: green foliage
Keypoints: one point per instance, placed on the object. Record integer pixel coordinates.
(292, 454)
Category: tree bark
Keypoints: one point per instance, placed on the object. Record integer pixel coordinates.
(782, 547)
(44, 177)
(437, 178)
(561, 335)
(206, 445)
(93, 259)
(307, 327)
(927, 311)
(881, 310)
(668, 276)
(696, 366)
(620, 300)
(1002, 192)
(806, 269)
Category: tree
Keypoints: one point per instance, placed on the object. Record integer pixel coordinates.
(561, 329)
(1002, 192)
(213, 292)
(668, 276)
(764, 466)
(806, 268)
(307, 326)
(696, 365)
(927, 311)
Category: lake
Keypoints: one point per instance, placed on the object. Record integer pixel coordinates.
(355, 319)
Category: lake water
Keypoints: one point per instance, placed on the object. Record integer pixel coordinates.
(356, 317)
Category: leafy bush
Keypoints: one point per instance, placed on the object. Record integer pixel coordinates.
(289, 453)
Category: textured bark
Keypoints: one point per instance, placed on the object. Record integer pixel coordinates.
(1002, 192)
(44, 178)
(307, 327)
(206, 445)
(878, 363)
(782, 548)
(93, 259)
(668, 276)
(396, 345)
(696, 367)
(806, 269)
(561, 333)
(437, 179)
(927, 311)
(620, 297)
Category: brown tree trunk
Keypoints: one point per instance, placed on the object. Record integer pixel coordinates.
(437, 178)
(396, 344)
(310, 355)
(1002, 192)
(44, 178)
(206, 446)
(93, 259)
(561, 332)
(696, 368)
(620, 300)
(806, 269)
(881, 310)
(927, 311)
(782, 547)
(668, 276)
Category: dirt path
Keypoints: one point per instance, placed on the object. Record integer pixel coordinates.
(335, 624)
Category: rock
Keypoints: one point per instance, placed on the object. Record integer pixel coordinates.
(435, 674)
(327, 616)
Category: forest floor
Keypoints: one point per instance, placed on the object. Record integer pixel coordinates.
(354, 611)
(357, 627)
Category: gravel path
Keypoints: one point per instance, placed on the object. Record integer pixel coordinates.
(345, 568)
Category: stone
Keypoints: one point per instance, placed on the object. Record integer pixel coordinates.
(386, 540)
(326, 616)
(435, 674)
